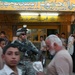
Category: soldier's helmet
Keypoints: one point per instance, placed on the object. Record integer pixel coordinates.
(21, 30)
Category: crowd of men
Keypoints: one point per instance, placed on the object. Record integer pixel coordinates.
(18, 56)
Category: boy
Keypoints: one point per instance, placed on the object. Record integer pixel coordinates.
(11, 56)
(2, 44)
(3, 35)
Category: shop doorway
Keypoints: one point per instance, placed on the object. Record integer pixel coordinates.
(52, 31)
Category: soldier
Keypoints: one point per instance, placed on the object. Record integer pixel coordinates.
(28, 52)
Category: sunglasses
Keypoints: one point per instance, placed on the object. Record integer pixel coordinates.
(23, 34)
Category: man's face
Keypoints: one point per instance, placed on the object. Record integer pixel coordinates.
(2, 35)
(41, 38)
(23, 36)
(2, 44)
(63, 36)
(12, 56)
(51, 48)
(48, 45)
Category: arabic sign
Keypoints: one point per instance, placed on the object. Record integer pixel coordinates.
(43, 19)
(32, 19)
(47, 5)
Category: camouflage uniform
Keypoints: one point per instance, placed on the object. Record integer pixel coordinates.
(27, 68)
(25, 62)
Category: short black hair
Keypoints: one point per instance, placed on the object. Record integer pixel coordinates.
(8, 46)
(2, 32)
(41, 36)
(1, 39)
(63, 33)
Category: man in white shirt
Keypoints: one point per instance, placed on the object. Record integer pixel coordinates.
(70, 46)
(62, 63)
(43, 44)
(63, 39)
(43, 50)
(11, 57)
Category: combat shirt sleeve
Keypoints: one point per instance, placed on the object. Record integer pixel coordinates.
(33, 46)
